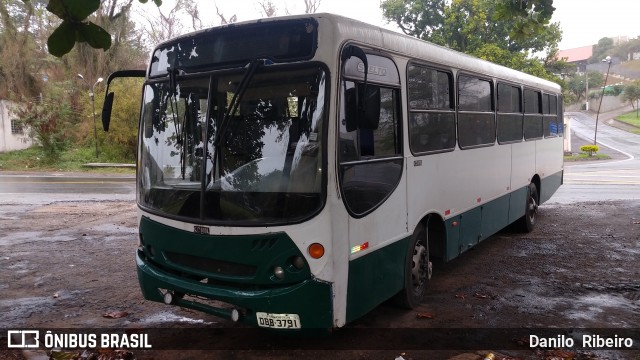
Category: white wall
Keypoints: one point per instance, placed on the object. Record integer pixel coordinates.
(608, 103)
(9, 141)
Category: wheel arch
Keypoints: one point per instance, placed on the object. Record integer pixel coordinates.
(434, 225)
(538, 183)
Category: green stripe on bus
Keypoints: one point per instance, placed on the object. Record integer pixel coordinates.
(375, 277)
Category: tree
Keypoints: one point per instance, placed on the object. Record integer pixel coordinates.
(19, 55)
(632, 94)
(415, 17)
(166, 23)
(49, 120)
(268, 8)
(126, 51)
(576, 84)
(75, 26)
(519, 28)
(601, 50)
(311, 6)
(121, 140)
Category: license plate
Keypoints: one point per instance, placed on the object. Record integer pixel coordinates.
(278, 321)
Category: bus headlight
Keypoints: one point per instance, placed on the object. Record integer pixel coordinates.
(298, 262)
(278, 271)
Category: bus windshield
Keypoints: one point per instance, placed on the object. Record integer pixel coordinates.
(267, 167)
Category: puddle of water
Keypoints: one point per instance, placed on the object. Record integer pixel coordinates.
(24, 237)
(111, 228)
(17, 309)
(166, 316)
(589, 307)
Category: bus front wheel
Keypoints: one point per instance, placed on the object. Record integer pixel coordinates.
(418, 270)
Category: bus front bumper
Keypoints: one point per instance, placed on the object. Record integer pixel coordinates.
(310, 299)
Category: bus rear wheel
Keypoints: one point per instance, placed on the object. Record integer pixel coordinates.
(528, 222)
(418, 270)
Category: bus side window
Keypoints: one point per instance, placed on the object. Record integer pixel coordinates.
(432, 123)
(533, 128)
(509, 116)
(476, 118)
(551, 115)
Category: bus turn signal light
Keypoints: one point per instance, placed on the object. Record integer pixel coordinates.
(316, 250)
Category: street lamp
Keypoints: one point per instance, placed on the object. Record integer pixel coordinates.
(607, 60)
(93, 107)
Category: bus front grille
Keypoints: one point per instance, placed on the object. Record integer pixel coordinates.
(211, 266)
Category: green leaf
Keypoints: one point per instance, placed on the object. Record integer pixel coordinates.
(73, 10)
(57, 8)
(94, 35)
(81, 9)
(62, 39)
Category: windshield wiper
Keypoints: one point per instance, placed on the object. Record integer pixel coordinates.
(253, 65)
(179, 128)
(235, 101)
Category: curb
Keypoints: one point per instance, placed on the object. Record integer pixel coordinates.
(107, 165)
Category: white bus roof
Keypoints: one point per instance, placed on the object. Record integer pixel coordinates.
(346, 29)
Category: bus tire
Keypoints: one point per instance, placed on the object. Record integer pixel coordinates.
(528, 222)
(418, 270)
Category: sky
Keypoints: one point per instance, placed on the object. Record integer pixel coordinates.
(583, 22)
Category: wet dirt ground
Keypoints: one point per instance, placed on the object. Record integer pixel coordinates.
(66, 264)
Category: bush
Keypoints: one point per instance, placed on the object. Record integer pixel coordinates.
(589, 149)
(49, 120)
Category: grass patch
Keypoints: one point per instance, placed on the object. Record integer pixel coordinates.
(630, 118)
(585, 157)
(633, 65)
(71, 160)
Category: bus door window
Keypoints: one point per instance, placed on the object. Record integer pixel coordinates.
(370, 146)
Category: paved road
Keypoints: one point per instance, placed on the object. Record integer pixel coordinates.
(610, 180)
(593, 181)
(30, 188)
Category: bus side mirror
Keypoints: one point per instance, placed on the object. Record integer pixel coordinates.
(108, 97)
(106, 111)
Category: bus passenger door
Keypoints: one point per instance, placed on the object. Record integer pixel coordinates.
(371, 181)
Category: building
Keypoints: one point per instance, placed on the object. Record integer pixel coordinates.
(577, 56)
(12, 135)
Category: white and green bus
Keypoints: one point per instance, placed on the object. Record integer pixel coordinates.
(296, 172)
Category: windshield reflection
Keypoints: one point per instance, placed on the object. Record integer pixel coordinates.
(268, 165)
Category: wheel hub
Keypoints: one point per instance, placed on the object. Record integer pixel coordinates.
(422, 267)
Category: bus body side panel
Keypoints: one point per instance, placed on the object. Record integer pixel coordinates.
(495, 216)
(467, 229)
(376, 272)
(523, 168)
(549, 165)
(550, 185)
(462, 186)
(375, 278)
